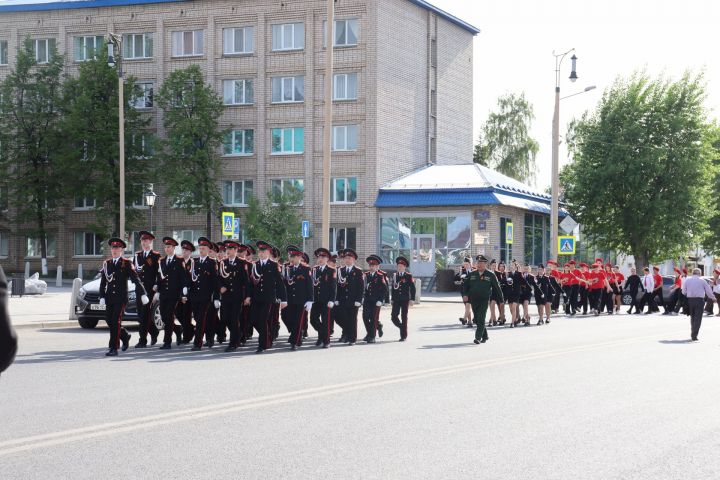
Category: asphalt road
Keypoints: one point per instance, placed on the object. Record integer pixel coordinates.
(622, 397)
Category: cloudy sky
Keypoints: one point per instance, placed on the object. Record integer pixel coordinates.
(611, 38)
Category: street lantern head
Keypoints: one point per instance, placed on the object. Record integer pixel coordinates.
(150, 198)
(573, 73)
(111, 58)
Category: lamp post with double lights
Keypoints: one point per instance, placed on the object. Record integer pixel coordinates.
(115, 59)
(150, 198)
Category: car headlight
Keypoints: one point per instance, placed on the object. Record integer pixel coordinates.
(82, 293)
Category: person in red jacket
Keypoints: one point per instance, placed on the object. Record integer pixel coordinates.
(619, 279)
(657, 291)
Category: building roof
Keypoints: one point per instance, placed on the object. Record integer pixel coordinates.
(36, 5)
(461, 185)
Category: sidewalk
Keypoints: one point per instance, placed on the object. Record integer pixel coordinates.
(42, 311)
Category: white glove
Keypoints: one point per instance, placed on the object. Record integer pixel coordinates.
(357, 304)
(102, 301)
(337, 303)
(331, 304)
(308, 306)
(144, 299)
(217, 303)
(184, 291)
(155, 289)
(283, 304)
(378, 304)
(156, 297)
(463, 276)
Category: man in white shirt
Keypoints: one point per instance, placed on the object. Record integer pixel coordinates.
(648, 283)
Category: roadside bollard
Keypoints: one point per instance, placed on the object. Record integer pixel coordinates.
(77, 283)
(418, 291)
(27, 269)
(80, 271)
(58, 279)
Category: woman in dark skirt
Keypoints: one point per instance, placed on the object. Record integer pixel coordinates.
(515, 287)
(544, 294)
(502, 277)
(526, 293)
(466, 268)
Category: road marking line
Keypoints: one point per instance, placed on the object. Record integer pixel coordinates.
(93, 431)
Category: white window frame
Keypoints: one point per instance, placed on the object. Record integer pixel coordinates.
(233, 134)
(247, 192)
(341, 138)
(282, 83)
(49, 238)
(3, 52)
(143, 145)
(81, 53)
(283, 132)
(283, 182)
(88, 203)
(230, 35)
(144, 101)
(333, 238)
(142, 204)
(178, 43)
(95, 253)
(284, 30)
(130, 43)
(4, 244)
(50, 46)
(342, 81)
(191, 235)
(346, 21)
(230, 90)
(346, 188)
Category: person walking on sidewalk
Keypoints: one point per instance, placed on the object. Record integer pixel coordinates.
(696, 289)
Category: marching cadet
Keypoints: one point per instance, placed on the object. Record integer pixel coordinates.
(376, 295)
(115, 274)
(459, 279)
(403, 295)
(325, 289)
(203, 293)
(172, 283)
(556, 281)
(246, 252)
(275, 316)
(299, 286)
(477, 289)
(218, 254)
(214, 313)
(268, 286)
(184, 309)
(146, 266)
(306, 262)
(235, 291)
(350, 287)
(547, 292)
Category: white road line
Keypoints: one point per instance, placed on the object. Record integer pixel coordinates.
(111, 428)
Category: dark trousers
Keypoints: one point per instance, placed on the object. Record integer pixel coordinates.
(246, 324)
(184, 315)
(659, 296)
(574, 301)
(347, 318)
(230, 310)
(146, 321)
(260, 316)
(321, 320)
(697, 306)
(634, 301)
(648, 298)
(400, 312)
(607, 301)
(583, 299)
(556, 300)
(167, 312)
(594, 296)
(113, 317)
(295, 317)
(204, 326)
(371, 318)
(479, 308)
(569, 302)
(275, 321)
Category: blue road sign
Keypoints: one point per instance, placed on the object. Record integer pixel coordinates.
(566, 245)
(305, 228)
(236, 228)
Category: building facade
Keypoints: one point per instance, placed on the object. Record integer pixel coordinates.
(402, 99)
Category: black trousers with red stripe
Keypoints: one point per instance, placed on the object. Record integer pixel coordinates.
(246, 323)
(167, 312)
(230, 311)
(146, 321)
(183, 311)
(113, 317)
(321, 319)
(346, 317)
(400, 312)
(371, 318)
(295, 317)
(204, 324)
(261, 317)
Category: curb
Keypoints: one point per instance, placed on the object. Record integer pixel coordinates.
(46, 325)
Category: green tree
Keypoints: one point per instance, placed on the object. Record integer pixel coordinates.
(191, 117)
(505, 144)
(91, 151)
(712, 144)
(276, 221)
(639, 179)
(30, 135)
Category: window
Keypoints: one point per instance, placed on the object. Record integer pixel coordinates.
(239, 142)
(505, 249)
(450, 242)
(86, 47)
(43, 49)
(237, 40)
(343, 190)
(288, 89)
(238, 92)
(189, 235)
(345, 86)
(237, 193)
(433, 103)
(49, 202)
(537, 228)
(138, 200)
(287, 186)
(143, 95)
(143, 145)
(345, 138)
(287, 140)
(342, 238)
(288, 36)
(346, 33)
(4, 244)
(3, 52)
(433, 53)
(137, 46)
(88, 243)
(34, 244)
(84, 203)
(188, 43)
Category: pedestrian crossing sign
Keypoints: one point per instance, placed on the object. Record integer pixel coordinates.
(566, 245)
(228, 224)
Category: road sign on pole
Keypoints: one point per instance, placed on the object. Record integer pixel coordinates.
(228, 223)
(509, 233)
(236, 228)
(567, 245)
(305, 228)
(568, 224)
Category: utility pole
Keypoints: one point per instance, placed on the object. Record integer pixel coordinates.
(327, 133)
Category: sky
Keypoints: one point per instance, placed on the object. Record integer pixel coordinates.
(514, 53)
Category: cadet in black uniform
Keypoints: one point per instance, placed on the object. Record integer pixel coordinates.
(235, 291)
(114, 276)
(376, 295)
(146, 266)
(325, 290)
(275, 315)
(403, 295)
(350, 287)
(171, 280)
(268, 286)
(204, 287)
(245, 252)
(184, 308)
(299, 286)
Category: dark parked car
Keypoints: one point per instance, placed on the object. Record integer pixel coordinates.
(90, 312)
(668, 282)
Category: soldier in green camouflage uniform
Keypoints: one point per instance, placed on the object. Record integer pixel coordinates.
(478, 286)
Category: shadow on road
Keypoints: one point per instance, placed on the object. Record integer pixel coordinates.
(448, 345)
(675, 342)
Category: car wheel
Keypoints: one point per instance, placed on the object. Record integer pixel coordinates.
(87, 322)
(157, 318)
(626, 299)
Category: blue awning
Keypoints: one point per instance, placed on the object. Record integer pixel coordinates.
(434, 198)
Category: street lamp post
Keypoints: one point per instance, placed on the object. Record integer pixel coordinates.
(115, 41)
(150, 201)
